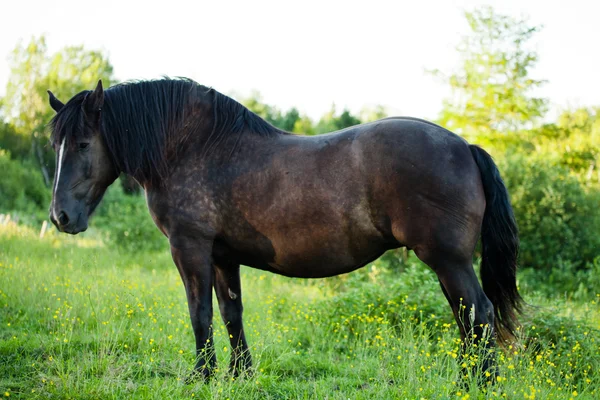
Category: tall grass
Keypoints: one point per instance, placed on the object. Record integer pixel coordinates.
(82, 320)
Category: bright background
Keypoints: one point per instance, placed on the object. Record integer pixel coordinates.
(310, 54)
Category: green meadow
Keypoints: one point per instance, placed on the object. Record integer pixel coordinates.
(103, 315)
(82, 320)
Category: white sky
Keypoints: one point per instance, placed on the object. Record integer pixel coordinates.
(309, 54)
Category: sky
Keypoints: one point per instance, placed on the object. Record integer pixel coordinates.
(310, 54)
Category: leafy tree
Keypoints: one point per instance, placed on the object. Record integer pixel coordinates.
(33, 71)
(293, 121)
(573, 142)
(327, 122)
(551, 169)
(304, 125)
(491, 93)
(10, 140)
(286, 121)
(369, 114)
(21, 187)
(331, 122)
(255, 103)
(345, 120)
(556, 212)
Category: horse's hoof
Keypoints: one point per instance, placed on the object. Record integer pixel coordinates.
(243, 372)
(198, 375)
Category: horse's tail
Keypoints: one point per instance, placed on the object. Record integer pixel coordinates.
(500, 247)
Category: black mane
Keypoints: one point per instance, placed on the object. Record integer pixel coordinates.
(145, 123)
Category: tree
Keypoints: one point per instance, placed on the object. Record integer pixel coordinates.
(304, 126)
(291, 120)
(330, 122)
(346, 120)
(327, 122)
(491, 93)
(288, 120)
(33, 71)
(572, 142)
(13, 142)
(267, 112)
(369, 114)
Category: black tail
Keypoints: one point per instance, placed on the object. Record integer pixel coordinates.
(500, 247)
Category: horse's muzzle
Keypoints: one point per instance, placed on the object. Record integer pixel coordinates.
(64, 223)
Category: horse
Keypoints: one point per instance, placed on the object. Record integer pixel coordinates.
(228, 189)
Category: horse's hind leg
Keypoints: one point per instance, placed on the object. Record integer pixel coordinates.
(229, 293)
(473, 311)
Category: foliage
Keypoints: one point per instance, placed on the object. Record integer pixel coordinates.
(33, 72)
(413, 295)
(565, 279)
(293, 121)
(369, 114)
(556, 214)
(492, 90)
(31, 197)
(18, 145)
(126, 223)
(573, 142)
(286, 121)
(304, 126)
(330, 121)
(553, 178)
(551, 170)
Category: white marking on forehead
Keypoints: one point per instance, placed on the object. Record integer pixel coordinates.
(60, 161)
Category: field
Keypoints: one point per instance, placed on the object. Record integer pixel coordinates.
(80, 320)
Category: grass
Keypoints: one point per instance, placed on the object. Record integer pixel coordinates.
(80, 320)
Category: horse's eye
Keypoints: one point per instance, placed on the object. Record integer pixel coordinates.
(83, 146)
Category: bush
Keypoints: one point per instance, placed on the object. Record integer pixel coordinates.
(123, 221)
(412, 297)
(551, 338)
(564, 280)
(21, 187)
(556, 213)
(126, 223)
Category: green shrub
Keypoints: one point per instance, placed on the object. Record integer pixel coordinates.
(551, 338)
(126, 223)
(21, 187)
(564, 279)
(410, 297)
(556, 213)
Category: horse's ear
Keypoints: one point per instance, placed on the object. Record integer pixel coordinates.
(94, 101)
(55, 103)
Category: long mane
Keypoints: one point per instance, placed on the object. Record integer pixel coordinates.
(145, 124)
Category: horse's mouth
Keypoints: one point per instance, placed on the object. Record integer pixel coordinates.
(75, 228)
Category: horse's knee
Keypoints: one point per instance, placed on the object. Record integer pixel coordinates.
(231, 311)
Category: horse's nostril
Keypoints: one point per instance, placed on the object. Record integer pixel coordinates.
(63, 219)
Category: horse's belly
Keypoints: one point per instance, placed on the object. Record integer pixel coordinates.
(318, 269)
(323, 258)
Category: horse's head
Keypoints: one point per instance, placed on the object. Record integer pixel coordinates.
(84, 168)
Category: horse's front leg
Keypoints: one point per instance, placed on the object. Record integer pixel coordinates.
(193, 259)
(229, 294)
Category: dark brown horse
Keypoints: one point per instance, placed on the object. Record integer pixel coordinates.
(227, 188)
